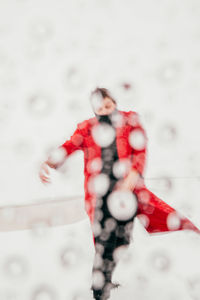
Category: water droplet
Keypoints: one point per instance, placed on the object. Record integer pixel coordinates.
(167, 134)
(137, 139)
(96, 228)
(144, 220)
(160, 260)
(8, 214)
(44, 292)
(98, 261)
(16, 266)
(119, 252)
(56, 156)
(110, 224)
(96, 101)
(41, 30)
(121, 168)
(99, 184)
(122, 204)
(103, 134)
(194, 286)
(144, 196)
(98, 214)
(104, 236)
(23, 147)
(169, 72)
(94, 165)
(39, 228)
(40, 105)
(165, 183)
(80, 296)
(98, 280)
(70, 256)
(99, 248)
(74, 79)
(173, 221)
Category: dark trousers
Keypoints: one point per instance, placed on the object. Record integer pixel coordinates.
(113, 234)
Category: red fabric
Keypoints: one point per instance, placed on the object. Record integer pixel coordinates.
(155, 211)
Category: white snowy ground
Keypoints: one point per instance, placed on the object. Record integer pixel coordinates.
(160, 267)
(52, 53)
(56, 264)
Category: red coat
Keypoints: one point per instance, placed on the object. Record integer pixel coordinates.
(154, 213)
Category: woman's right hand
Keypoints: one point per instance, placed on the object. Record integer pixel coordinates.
(54, 160)
(44, 173)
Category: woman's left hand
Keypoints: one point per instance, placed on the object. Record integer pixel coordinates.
(129, 182)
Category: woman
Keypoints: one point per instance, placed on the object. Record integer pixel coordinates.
(115, 146)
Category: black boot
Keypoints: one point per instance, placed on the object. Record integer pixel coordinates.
(97, 294)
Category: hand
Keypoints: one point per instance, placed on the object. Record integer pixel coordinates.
(55, 160)
(129, 182)
(44, 172)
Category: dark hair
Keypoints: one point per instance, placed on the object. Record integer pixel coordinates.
(103, 92)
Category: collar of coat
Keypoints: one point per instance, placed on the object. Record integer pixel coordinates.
(113, 118)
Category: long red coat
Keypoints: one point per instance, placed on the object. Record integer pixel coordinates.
(154, 213)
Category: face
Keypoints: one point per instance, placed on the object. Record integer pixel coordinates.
(103, 106)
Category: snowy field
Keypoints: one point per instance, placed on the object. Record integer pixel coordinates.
(52, 54)
(49, 263)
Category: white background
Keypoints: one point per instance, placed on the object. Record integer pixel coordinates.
(52, 54)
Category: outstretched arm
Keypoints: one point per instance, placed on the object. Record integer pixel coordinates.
(57, 157)
(76, 142)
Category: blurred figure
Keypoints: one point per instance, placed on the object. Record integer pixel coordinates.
(115, 147)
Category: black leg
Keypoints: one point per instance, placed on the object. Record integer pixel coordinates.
(114, 234)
